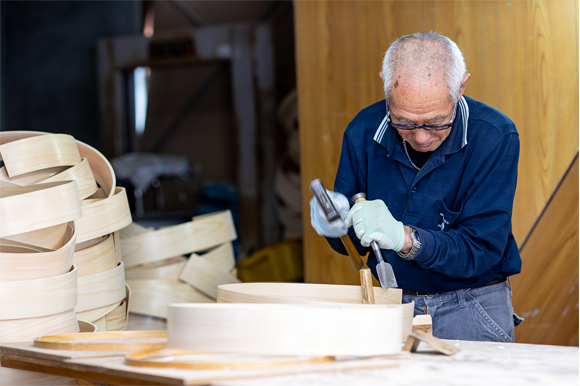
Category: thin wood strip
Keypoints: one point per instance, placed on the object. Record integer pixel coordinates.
(34, 264)
(117, 318)
(100, 166)
(117, 241)
(95, 314)
(222, 257)
(202, 233)
(51, 238)
(165, 358)
(286, 329)
(104, 341)
(10, 246)
(38, 297)
(105, 216)
(166, 269)
(82, 174)
(41, 152)
(24, 330)
(133, 229)
(101, 289)
(97, 258)
(32, 177)
(151, 297)
(86, 327)
(204, 276)
(29, 208)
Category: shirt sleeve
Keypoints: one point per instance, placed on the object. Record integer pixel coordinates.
(478, 239)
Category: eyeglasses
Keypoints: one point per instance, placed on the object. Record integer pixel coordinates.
(400, 126)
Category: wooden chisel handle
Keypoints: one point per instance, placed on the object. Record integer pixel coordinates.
(352, 252)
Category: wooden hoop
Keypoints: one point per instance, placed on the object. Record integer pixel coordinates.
(97, 258)
(104, 216)
(23, 330)
(286, 329)
(39, 152)
(203, 233)
(33, 263)
(151, 297)
(213, 361)
(101, 289)
(38, 297)
(104, 341)
(82, 174)
(29, 208)
(204, 276)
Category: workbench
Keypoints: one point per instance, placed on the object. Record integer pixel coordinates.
(478, 363)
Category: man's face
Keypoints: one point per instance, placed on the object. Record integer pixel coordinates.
(421, 103)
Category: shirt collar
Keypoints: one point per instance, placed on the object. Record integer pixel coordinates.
(456, 140)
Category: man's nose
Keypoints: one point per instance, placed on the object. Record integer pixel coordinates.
(422, 135)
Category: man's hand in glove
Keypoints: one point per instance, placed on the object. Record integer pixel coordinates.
(318, 219)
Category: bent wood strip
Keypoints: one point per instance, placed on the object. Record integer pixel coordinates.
(193, 360)
(104, 216)
(95, 314)
(98, 258)
(104, 341)
(116, 319)
(82, 174)
(24, 330)
(84, 327)
(285, 329)
(29, 264)
(133, 229)
(28, 208)
(101, 289)
(204, 276)
(166, 269)
(222, 257)
(38, 297)
(151, 297)
(32, 177)
(40, 152)
(203, 233)
(100, 166)
(52, 238)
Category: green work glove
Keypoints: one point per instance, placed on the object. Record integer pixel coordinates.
(372, 221)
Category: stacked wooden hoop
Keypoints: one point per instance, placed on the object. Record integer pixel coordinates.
(159, 274)
(37, 165)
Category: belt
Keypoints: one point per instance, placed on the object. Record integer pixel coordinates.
(417, 293)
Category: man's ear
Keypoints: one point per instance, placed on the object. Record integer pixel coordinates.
(463, 84)
(381, 75)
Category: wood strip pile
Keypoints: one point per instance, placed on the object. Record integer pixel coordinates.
(158, 272)
(38, 164)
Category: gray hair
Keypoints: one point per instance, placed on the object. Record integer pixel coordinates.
(448, 55)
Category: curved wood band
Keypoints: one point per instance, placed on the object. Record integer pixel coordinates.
(286, 329)
(203, 233)
(101, 289)
(97, 258)
(38, 297)
(86, 327)
(23, 330)
(51, 238)
(26, 263)
(104, 341)
(39, 152)
(104, 216)
(166, 269)
(28, 208)
(82, 174)
(165, 358)
(100, 166)
(205, 276)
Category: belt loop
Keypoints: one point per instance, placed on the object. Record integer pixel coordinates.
(461, 298)
(510, 285)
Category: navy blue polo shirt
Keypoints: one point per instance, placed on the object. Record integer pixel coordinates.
(460, 201)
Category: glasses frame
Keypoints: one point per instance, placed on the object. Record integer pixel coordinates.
(401, 126)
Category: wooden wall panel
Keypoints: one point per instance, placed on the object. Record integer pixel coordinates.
(523, 58)
(547, 289)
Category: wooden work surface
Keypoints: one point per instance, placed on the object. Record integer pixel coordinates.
(478, 363)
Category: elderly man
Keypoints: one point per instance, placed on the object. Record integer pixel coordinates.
(439, 171)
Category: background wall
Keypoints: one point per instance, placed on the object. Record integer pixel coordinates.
(523, 58)
(49, 65)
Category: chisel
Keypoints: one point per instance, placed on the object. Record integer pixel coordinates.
(384, 269)
(332, 214)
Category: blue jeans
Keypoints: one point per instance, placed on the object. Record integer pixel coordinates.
(479, 314)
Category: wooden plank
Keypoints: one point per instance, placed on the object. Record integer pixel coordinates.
(546, 292)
